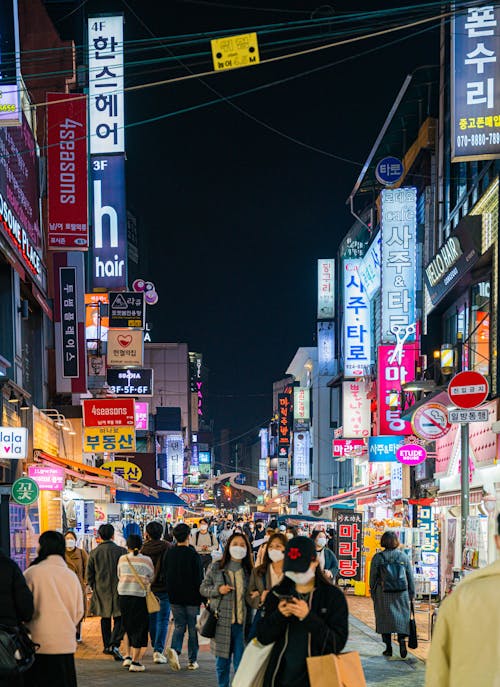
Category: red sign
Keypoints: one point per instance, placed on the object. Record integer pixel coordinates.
(468, 389)
(349, 543)
(349, 447)
(314, 507)
(67, 171)
(284, 419)
(116, 412)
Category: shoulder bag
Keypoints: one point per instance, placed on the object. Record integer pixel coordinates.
(17, 650)
(412, 638)
(152, 601)
(207, 623)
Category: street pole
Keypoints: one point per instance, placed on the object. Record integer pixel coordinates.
(465, 487)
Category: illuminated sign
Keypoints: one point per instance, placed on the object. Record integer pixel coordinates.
(108, 439)
(399, 265)
(383, 449)
(175, 458)
(357, 331)
(125, 469)
(13, 443)
(369, 267)
(126, 309)
(284, 423)
(48, 478)
(106, 102)
(326, 349)
(356, 414)
(391, 375)
(130, 382)
(301, 410)
(264, 443)
(10, 65)
(141, 415)
(301, 455)
(326, 289)
(109, 412)
(125, 347)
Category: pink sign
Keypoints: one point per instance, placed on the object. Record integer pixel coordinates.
(47, 478)
(141, 415)
(392, 373)
(411, 454)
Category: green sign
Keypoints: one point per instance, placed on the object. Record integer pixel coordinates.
(25, 491)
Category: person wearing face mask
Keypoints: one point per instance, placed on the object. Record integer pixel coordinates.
(225, 585)
(76, 560)
(226, 533)
(249, 530)
(204, 543)
(327, 559)
(265, 576)
(304, 616)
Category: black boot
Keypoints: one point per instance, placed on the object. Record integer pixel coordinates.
(388, 645)
(402, 646)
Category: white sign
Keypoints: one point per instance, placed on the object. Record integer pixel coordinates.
(283, 476)
(399, 260)
(262, 470)
(175, 458)
(471, 415)
(301, 455)
(264, 443)
(326, 349)
(356, 415)
(13, 443)
(326, 289)
(357, 332)
(106, 102)
(301, 404)
(369, 268)
(396, 481)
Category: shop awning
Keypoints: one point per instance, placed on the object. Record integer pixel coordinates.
(165, 498)
(73, 464)
(352, 494)
(452, 498)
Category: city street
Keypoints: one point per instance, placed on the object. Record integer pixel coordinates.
(95, 670)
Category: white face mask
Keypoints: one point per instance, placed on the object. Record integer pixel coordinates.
(276, 555)
(301, 578)
(289, 535)
(238, 552)
(321, 541)
(203, 528)
(70, 544)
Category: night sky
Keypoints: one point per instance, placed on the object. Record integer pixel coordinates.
(233, 216)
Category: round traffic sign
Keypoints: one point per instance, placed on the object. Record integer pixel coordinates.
(430, 421)
(25, 491)
(468, 389)
(411, 454)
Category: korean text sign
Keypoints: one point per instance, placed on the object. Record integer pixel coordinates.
(326, 348)
(427, 523)
(284, 421)
(106, 102)
(356, 415)
(301, 444)
(69, 322)
(349, 543)
(475, 103)
(48, 478)
(108, 439)
(357, 332)
(326, 289)
(125, 347)
(67, 177)
(369, 268)
(124, 468)
(301, 403)
(399, 248)
(383, 449)
(391, 374)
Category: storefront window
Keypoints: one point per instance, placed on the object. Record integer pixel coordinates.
(479, 342)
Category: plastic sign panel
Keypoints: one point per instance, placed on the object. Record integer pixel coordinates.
(349, 448)
(396, 481)
(383, 449)
(411, 454)
(326, 349)
(13, 443)
(391, 374)
(369, 267)
(284, 423)
(301, 404)
(109, 412)
(283, 475)
(399, 268)
(264, 443)
(356, 410)
(389, 171)
(475, 84)
(301, 442)
(125, 469)
(106, 102)
(349, 544)
(125, 348)
(25, 491)
(67, 177)
(69, 322)
(428, 523)
(175, 458)
(108, 439)
(141, 415)
(233, 52)
(471, 415)
(130, 382)
(126, 309)
(109, 223)
(357, 330)
(48, 478)
(10, 65)
(326, 289)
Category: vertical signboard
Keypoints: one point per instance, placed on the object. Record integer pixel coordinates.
(349, 544)
(301, 404)
(10, 65)
(67, 171)
(301, 444)
(284, 424)
(356, 415)
(391, 374)
(428, 524)
(369, 267)
(357, 331)
(109, 223)
(106, 102)
(399, 248)
(326, 289)
(175, 458)
(70, 334)
(475, 77)
(326, 349)
(264, 443)
(283, 475)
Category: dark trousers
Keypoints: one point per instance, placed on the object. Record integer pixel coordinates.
(52, 670)
(114, 638)
(387, 639)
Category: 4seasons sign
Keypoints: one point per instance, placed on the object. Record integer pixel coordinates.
(109, 412)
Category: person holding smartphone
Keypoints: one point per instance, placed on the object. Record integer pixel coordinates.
(305, 615)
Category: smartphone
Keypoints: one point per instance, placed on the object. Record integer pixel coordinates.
(284, 597)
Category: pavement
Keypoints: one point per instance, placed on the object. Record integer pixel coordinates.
(97, 670)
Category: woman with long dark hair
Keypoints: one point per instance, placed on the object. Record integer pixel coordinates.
(266, 576)
(58, 601)
(225, 585)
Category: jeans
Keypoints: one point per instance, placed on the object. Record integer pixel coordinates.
(185, 616)
(223, 665)
(158, 623)
(111, 639)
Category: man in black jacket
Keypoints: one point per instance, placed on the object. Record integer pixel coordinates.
(183, 575)
(156, 548)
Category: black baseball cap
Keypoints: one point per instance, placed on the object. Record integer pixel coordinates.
(299, 554)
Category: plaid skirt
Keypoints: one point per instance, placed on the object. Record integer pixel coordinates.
(392, 612)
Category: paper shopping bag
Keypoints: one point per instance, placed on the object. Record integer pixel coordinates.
(344, 670)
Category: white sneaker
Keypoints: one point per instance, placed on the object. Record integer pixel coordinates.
(173, 659)
(158, 657)
(192, 666)
(136, 668)
(127, 661)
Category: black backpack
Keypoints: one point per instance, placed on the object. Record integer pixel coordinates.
(393, 574)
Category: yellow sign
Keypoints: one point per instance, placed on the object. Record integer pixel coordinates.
(235, 51)
(108, 439)
(125, 347)
(129, 471)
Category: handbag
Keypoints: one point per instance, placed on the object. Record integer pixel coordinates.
(207, 624)
(412, 637)
(152, 601)
(253, 665)
(332, 670)
(17, 650)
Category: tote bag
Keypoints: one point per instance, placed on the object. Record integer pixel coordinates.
(152, 601)
(332, 670)
(253, 665)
